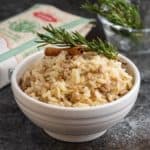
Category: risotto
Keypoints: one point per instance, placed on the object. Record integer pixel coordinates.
(82, 80)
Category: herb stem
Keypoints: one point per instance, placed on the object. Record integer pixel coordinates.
(62, 38)
(118, 12)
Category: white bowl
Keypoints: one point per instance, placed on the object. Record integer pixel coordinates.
(74, 124)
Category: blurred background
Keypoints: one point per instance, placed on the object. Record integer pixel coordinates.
(12, 7)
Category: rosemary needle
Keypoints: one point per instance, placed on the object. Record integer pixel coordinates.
(119, 12)
(60, 37)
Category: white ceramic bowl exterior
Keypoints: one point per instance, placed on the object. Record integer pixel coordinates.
(73, 124)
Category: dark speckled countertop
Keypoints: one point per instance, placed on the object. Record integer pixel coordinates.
(18, 133)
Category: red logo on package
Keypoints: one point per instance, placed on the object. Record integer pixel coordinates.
(45, 16)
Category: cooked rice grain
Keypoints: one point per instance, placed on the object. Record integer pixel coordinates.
(76, 81)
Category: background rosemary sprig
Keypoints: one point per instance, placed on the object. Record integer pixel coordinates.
(119, 12)
(62, 38)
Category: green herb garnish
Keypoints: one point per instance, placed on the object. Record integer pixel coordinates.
(60, 37)
(119, 12)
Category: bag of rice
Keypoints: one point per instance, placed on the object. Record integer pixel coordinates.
(17, 34)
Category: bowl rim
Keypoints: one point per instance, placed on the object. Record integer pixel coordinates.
(119, 27)
(17, 88)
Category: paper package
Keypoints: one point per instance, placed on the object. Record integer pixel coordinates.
(18, 34)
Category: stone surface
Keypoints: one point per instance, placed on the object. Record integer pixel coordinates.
(18, 133)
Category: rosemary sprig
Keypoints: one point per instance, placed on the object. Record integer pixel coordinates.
(119, 12)
(60, 37)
